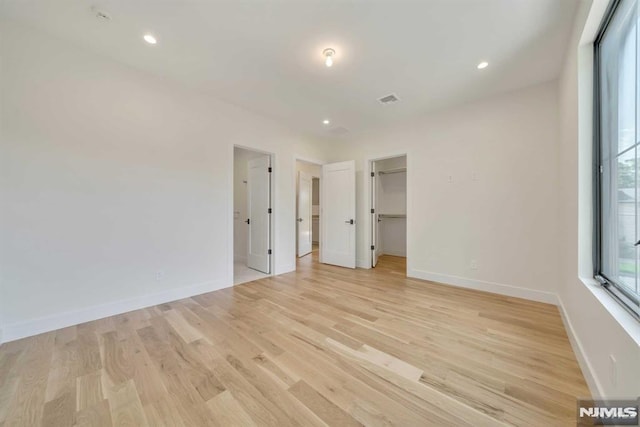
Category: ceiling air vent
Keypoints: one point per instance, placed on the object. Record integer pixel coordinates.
(389, 99)
(101, 14)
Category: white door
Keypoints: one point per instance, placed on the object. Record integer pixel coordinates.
(375, 232)
(339, 214)
(304, 213)
(258, 207)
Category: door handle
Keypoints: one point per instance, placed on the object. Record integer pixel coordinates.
(636, 243)
(248, 221)
(350, 221)
(299, 219)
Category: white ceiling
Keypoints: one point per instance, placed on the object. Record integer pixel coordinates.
(265, 55)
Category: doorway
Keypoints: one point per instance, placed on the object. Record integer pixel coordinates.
(252, 236)
(333, 212)
(388, 208)
(307, 207)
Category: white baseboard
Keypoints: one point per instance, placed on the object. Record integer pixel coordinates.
(363, 263)
(284, 268)
(14, 331)
(585, 366)
(394, 253)
(481, 285)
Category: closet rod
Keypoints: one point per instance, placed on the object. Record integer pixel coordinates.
(399, 170)
(392, 216)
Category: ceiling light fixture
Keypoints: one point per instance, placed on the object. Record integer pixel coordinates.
(326, 121)
(150, 39)
(483, 65)
(328, 56)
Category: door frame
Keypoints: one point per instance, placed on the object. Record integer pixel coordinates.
(317, 162)
(367, 204)
(231, 220)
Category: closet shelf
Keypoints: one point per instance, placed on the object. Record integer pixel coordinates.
(388, 171)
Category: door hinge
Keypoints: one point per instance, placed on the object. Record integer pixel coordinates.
(269, 210)
(373, 174)
(601, 169)
(373, 210)
(269, 252)
(270, 169)
(372, 247)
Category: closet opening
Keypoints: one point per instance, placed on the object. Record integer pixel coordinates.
(252, 215)
(308, 176)
(388, 208)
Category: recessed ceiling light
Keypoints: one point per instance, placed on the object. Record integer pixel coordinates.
(483, 65)
(328, 56)
(326, 121)
(150, 39)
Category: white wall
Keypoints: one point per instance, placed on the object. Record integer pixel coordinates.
(392, 237)
(315, 197)
(3, 300)
(392, 193)
(597, 326)
(310, 168)
(116, 186)
(482, 186)
(241, 159)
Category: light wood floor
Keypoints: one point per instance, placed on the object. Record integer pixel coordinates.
(322, 346)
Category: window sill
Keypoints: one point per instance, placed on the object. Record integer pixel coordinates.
(625, 319)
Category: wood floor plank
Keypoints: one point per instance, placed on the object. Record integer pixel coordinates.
(163, 413)
(124, 403)
(227, 412)
(117, 363)
(60, 411)
(89, 390)
(321, 406)
(27, 403)
(322, 346)
(98, 415)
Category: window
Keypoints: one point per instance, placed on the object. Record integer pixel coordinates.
(617, 241)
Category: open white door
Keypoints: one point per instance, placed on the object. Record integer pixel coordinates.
(304, 213)
(374, 216)
(339, 214)
(258, 207)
